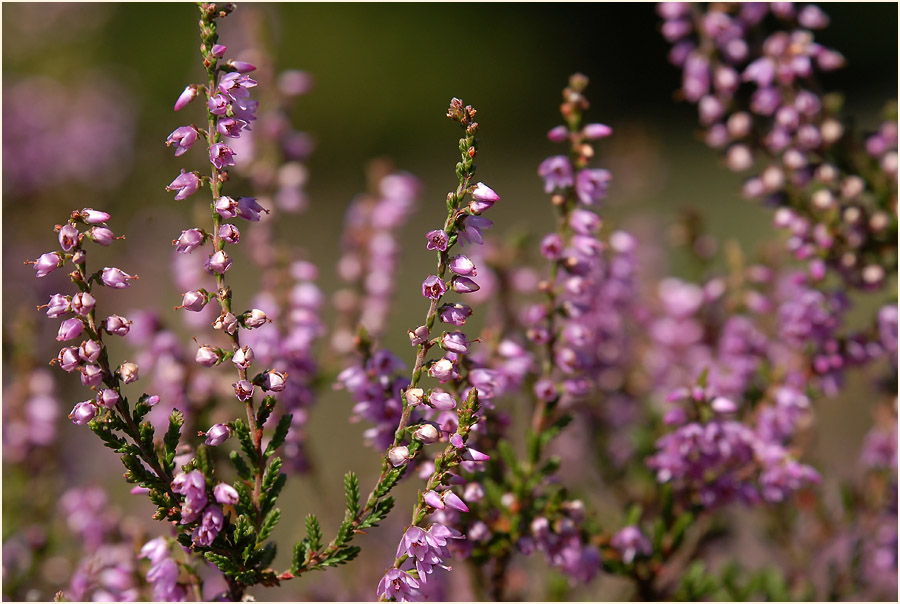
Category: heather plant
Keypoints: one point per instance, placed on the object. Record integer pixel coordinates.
(569, 419)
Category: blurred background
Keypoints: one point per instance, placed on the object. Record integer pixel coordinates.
(88, 91)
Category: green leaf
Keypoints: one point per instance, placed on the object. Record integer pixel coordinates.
(170, 440)
(223, 563)
(313, 533)
(379, 512)
(265, 410)
(264, 556)
(203, 462)
(300, 550)
(351, 491)
(271, 496)
(240, 465)
(344, 534)
(385, 486)
(281, 431)
(341, 556)
(268, 525)
(243, 435)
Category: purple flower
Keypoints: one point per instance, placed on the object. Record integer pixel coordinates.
(218, 104)
(452, 500)
(68, 359)
(442, 401)
(243, 390)
(226, 207)
(462, 265)
(226, 494)
(558, 134)
(186, 183)
(464, 285)
(115, 278)
(128, 372)
(70, 329)
(230, 127)
(83, 303)
(91, 375)
(433, 287)
(398, 456)
(584, 222)
(455, 341)
(58, 306)
(116, 325)
(189, 241)
(220, 262)
(249, 209)
(454, 314)
(236, 85)
(193, 301)
(556, 172)
(83, 412)
(187, 95)
(218, 50)
(471, 454)
(221, 156)
(433, 499)
(193, 486)
(631, 542)
(596, 131)
(210, 525)
(592, 185)
(89, 351)
(217, 434)
(68, 237)
(107, 398)
(471, 228)
(183, 138)
(399, 585)
(483, 198)
(427, 433)
(241, 66)
(552, 247)
(437, 240)
(47, 263)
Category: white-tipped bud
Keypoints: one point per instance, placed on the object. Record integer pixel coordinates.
(398, 456)
(255, 318)
(427, 433)
(415, 396)
(128, 372)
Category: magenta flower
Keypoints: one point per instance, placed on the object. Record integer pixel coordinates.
(107, 398)
(187, 95)
(221, 156)
(210, 525)
(230, 127)
(47, 263)
(398, 456)
(115, 278)
(58, 306)
(218, 104)
(186, 184)
(226, 494)
(68, 359)
(243, 357)
(462, 265)
(92, 216)
(68, 237)
(437, 240)
(183, 138)
(236, 85)
(189, 241)
(596, 131)
(556, 172)
(464, 285)
(128, 372)
(89, 351)
(418, 336)
(242, 66)
(433, 287)
(193, 486)
(83, 412)
(592, 185)
(442, 401)
(443, 370)
(91, 375)
(69, 330)
(484, 198)
(101, 235)
(217, 434)
(399, 585)
(455, 341)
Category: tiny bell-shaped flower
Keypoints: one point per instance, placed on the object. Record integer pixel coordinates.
(462, 265)
(89, 351)
(456, 440)
(107, 398)
(464, 285)
(83, 412)
(92, 216)
(723, 405)
(194, 301)
(226, 494)
(243, 390)
(128, 372)
(415, 396)
(183, 138)
(218, 50)
(116, 325)
(229, 233)
(596, 131)
(46, 264)
(455, 341)
(207, 356)
(248, 209)
(220, 262)
(442, 370)
(115, 278)
(243, 357)
(226, 207)
(418, 336)
(452, 500)
(427, 433)
(70, 329)
(68, 359)
(433, 287)
(186, 183)
(558, 134)
(58, 306)
(227, 323)
(274, 381)
(68, 237)
(437, 240)
(189, 241)
(91, 375)
(483, 197)
(442, 401)
(83, 303)
(433, 499)
(187, 95)
(241, 66)
(216, 435)
(471, 454)
(454, 314)
(254, 318)
(474, 492)
(398, 456)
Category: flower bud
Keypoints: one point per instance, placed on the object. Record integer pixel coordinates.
(227, 322)
(243, 357)
(723, 405)
(415, 396)
(243, 390)
(226, 494)
(427, 433)
(70, 329)
(398, 456)
(83, 303)
(229, 233)
(471, 454)
(68, 359)
(82, 413)
(187, 95)
(474, 492)
(68, 237)
(558, 134)
(454, 314)
(418, 336)
(128, 372)
(255, 318)
(58, 306)
(462, 265)
(452, 500)
(101, 235)
(207, 356)
(47, 263)
(220, 262)
(193, 301)
(442, 401)
(216, 435)
(442, 370)
(116, 325)
(483, 198)
(89, 351)
(107, 398)
(433, 499)
(92, 216)
(189, 241)
(91, 375)
(464, 285)
(274, 381)
(455, 341)
(115, 278)
(226, 207)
